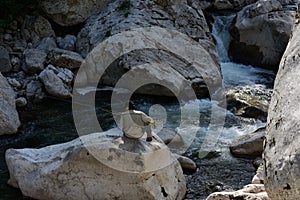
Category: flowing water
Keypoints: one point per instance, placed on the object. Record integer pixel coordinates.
(51, 122)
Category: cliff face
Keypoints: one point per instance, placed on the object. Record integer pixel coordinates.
(282, 152)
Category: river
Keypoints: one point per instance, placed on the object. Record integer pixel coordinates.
(51, 122)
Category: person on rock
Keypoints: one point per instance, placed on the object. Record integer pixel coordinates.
(135, 123)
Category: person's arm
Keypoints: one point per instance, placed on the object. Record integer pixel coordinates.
(147, 119)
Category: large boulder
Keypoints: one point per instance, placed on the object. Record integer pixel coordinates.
(260, 34)
(282, 147)
(72, 12)
(128, 169)
(122, 16)
(9, 122)
(250, 145)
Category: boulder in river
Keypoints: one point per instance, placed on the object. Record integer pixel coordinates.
(260, 34)
(9, 118)
(73, 170)
(250, 145)
(282, 147)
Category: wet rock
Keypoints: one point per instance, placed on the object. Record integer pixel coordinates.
(67, 43)
(72, 12)
(282, 147)
(47, 44)
(9, 122)
(260, 34)
(5, 65)
(249, 192)
(39, 172)
(250, 145)
(34, 91)
(249, 101)
(21, 102)
(64, 58)
(53, 84)
(34, 60)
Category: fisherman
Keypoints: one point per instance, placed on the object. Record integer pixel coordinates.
(135, 123)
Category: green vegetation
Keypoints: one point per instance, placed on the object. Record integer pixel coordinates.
(10, 9)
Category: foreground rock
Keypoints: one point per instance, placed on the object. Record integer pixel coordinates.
(9, 118)
(282, 147)
(249, 192)
(250, 145)
(261, 33)
(72, 12)
(70, 171)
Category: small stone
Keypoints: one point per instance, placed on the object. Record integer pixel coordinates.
(21, 102)
(14, 82)
(64, 58)
(20, 45)
(7, 37)
(34, 60)
(67, 43)
(47, 44)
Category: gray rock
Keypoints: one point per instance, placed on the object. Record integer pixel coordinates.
(249, 192)
(53, 84)
(34, 91)
(16, 63)
(260, 34)
(222, 5)
(21, 102)
(282, 147)
(37, 26)
(47, 44)
(14, 82)
(5, 64)
(7, 37)
(64, 58)
(250, 145)
(20, 45)
(40, 173)
(9, 122)
(34, 60)
(188, 165)
(249, 101)
(67, 43)
(72, 12)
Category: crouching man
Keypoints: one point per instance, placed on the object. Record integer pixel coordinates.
(135, 123)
